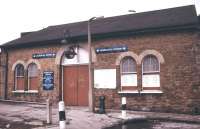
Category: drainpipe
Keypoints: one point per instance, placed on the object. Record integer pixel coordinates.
(5, 72)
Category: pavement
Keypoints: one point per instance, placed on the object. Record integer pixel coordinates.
(33, 116)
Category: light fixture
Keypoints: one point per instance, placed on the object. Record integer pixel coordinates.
(66, 37)
(70, 52)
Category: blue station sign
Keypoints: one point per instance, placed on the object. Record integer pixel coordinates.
(113, 49)
(48, 80)
(44, 55)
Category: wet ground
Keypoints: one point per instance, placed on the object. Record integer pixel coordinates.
(155, 124)
(33, 116)
(5, 124)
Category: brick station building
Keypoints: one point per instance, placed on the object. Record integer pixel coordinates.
(152, 58)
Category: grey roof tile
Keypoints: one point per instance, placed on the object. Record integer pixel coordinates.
(179, 16)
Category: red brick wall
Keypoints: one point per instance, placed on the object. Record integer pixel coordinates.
(47, 64)
(179, 74)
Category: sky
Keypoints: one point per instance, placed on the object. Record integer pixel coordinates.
(18, 16)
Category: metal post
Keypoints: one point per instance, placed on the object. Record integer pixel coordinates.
(49, 111)
(62, 118)
(62, 83)
(90, 95)
(123, 107)
(89, 69)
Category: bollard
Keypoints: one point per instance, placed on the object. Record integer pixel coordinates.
(49, 111)
(62, 117)
(102, 104)
(124, 126)
(123, 107)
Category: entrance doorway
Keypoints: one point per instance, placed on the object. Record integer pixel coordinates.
(76, 85)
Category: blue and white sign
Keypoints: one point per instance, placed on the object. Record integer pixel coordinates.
(48, 80)
(111, 49)
(44, 55)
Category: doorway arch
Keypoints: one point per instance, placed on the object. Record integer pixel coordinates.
(75, 79)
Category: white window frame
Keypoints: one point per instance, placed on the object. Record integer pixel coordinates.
(128, 73)
(150, 72)
(16, 76)
(34, 91)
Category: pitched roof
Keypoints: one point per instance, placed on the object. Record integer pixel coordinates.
(179, 16)
(199, 18)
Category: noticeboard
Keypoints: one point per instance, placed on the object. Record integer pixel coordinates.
(105, 78)
(48, 80)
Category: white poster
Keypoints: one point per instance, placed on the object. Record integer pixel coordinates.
(105, 78)
(151, 80)
(129, 80)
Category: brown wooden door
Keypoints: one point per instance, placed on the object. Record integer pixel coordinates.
(76, 85)
(70, 85)
(83, 85)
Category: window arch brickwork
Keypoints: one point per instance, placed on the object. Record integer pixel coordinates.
(33, 61)
(151, 52)
(126, 54)
(16, 63)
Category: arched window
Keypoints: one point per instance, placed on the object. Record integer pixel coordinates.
(150, 72)
(128, 73)
(19, 77)
(32, 77)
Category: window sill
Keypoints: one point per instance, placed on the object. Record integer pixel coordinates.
(22, 91)
(151, 92)
(128, 92)
(18, 91)
(31, 91)
(141, 92)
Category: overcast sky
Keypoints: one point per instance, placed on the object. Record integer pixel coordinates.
(28, 15)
